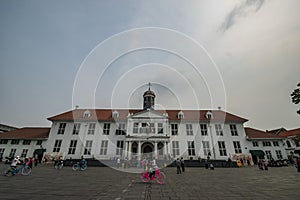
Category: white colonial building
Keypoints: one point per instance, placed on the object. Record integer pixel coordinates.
(132, 134)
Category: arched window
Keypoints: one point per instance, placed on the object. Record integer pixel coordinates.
(180, 115)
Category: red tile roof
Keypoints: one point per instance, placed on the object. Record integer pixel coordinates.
(293, 132)
(252, 133)
(27, 133)
(106, 115)
(277, 131)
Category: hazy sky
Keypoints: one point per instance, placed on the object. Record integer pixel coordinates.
(243, 55)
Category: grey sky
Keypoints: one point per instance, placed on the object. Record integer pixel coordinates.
(255, 45)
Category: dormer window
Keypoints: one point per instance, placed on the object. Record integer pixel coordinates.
(115, 114)
(86, 114)
(180, 115)
(209, 115)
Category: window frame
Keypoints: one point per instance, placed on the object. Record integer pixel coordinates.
(61, 128)
(189, 129)
(222, 148)
(57, 145)
(72, 147)
(204, 129)
(104, 147)
(233, 130)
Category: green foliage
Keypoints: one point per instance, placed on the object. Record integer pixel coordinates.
(296, 96)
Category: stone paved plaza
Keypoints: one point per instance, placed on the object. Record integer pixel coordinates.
(45, 183)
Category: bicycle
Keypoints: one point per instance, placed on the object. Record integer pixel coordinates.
(77, 166)
(24, 170)
(59, 164)
(158, 176)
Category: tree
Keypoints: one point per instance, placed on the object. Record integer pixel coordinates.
(296, 96)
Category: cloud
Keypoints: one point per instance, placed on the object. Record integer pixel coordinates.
(241, 10)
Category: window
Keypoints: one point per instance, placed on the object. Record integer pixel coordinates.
(72, 147)
(266, 143)
(219, 130)
(255, 143)
(275, 144)
(269, 155)
(15, 141)
(135, 127)
(2, 152)
(278, 154)
(12, 153)
(26, 142)
(222, 148)
(191, 148)
(61, 129)
(180, 115)
(88, 147)
(3, 141)
(288, 144)
(120, 145)
(233, 130)
(175, 146)
(237, 147)
(57, 145)
(151, 127)
(121, 129)
(76, 128)
(189, 129)
(174, 129)
(144, 128)
(24, 153)
(203, 128)
(206, 149)
(160, 128)
(106, 128)
(91, 130)
(104, 145)
(39, 142)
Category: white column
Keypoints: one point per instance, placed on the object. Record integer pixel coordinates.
(155, 149)
(139, 150)
(165, 150)
(129, 150)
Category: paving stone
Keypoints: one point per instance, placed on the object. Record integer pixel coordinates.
(45, 183)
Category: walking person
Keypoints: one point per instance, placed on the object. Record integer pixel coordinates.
(178, 166)
(182, 164)
(298, 164)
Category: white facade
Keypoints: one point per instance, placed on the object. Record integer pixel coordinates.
(147, 132)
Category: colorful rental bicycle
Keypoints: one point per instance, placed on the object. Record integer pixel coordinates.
(77, 166)
(24, 170)
(158, 176)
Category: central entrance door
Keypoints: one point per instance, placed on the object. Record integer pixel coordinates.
(147, 150)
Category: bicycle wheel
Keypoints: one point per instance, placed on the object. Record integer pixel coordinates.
(26, 170)
(60, 166)
(83, 167)
(75, 167)
(8, 172)
(161, 179)
(144, 178)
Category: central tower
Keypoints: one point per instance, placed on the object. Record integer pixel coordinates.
(149, 98)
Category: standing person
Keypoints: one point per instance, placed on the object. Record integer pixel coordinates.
(182, 164)
(82, 162)
(229, 162)
(30, 161)
(118, 162)
(266, 165)
(178, 166)
(298, 164)
(36, 160)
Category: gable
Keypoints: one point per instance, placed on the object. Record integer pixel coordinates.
(145, 114)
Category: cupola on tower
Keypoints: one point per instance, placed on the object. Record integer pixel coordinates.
(149, 98)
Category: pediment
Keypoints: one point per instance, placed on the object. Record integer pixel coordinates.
(146, 114)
